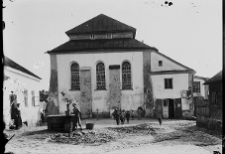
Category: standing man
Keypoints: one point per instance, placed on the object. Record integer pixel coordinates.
(75, 119)
(128, 116)
(122, 116)
(116, 116)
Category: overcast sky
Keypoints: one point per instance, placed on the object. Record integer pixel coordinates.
(188, 31)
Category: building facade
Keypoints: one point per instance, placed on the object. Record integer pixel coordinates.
(24, 86)
(103, 66)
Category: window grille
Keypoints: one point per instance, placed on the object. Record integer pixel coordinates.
(196, 87)
(100, 76)
(25, 93)
(75, 80)
(126, 75)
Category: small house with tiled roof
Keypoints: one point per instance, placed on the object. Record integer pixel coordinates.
(20, 86)
(103, 66)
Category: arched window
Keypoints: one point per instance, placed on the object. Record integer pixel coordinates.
(75, 80)
(100, 76)
(126, 75)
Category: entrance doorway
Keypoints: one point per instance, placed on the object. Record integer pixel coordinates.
(171, 108)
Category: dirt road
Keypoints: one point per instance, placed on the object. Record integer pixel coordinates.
(140, 136)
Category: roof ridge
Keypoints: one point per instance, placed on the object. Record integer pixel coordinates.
(9, 62)
(102, 26)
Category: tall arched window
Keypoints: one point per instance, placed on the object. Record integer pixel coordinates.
(75, 80)
(100, 76)
(126, 75)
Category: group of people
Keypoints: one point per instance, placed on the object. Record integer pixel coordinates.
(121, 115)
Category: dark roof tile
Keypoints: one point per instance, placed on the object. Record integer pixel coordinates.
(216, 78)
(79, 45)
(101, 23)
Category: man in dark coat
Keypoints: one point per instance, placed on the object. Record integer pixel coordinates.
(116, 116)
(122, 116)
(128, 116)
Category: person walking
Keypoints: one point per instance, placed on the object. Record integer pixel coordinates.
(128, 116)
(116, 116)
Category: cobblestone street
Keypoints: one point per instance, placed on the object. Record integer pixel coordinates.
(140, 136)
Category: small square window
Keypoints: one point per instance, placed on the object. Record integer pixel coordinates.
(168, 83)
(160, 63)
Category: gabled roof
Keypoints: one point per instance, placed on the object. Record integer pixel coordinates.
(10, 63)
(74, 46)
(200, 77)
(216, 78)
(177, 62)
(99, 24)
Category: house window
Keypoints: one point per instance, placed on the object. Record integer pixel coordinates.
(25, 93)
(33, 98)
(100, 76)
(160, 63)
(126, 75)
(168, 83)
(196, 87)
(75, 80)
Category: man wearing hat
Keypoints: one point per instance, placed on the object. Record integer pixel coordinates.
(75, 118)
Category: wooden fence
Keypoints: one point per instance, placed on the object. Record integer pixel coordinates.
(204, 115)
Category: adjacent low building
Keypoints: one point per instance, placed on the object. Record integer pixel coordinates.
(21, 86)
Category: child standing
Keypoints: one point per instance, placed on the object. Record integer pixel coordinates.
(160, 119)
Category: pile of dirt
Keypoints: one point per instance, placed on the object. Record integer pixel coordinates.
(141, 129)
(92, 137)
(189, 135)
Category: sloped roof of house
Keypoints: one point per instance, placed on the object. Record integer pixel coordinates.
(201, 77)
(99, 24)
(10, 63)
(216, 78)
(95, 45)
(188, 68)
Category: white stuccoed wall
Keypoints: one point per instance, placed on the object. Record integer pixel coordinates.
(167, 64)
(180, 82)
(131, 99)
(31, 114)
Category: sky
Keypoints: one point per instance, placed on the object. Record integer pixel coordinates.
(188, 31)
